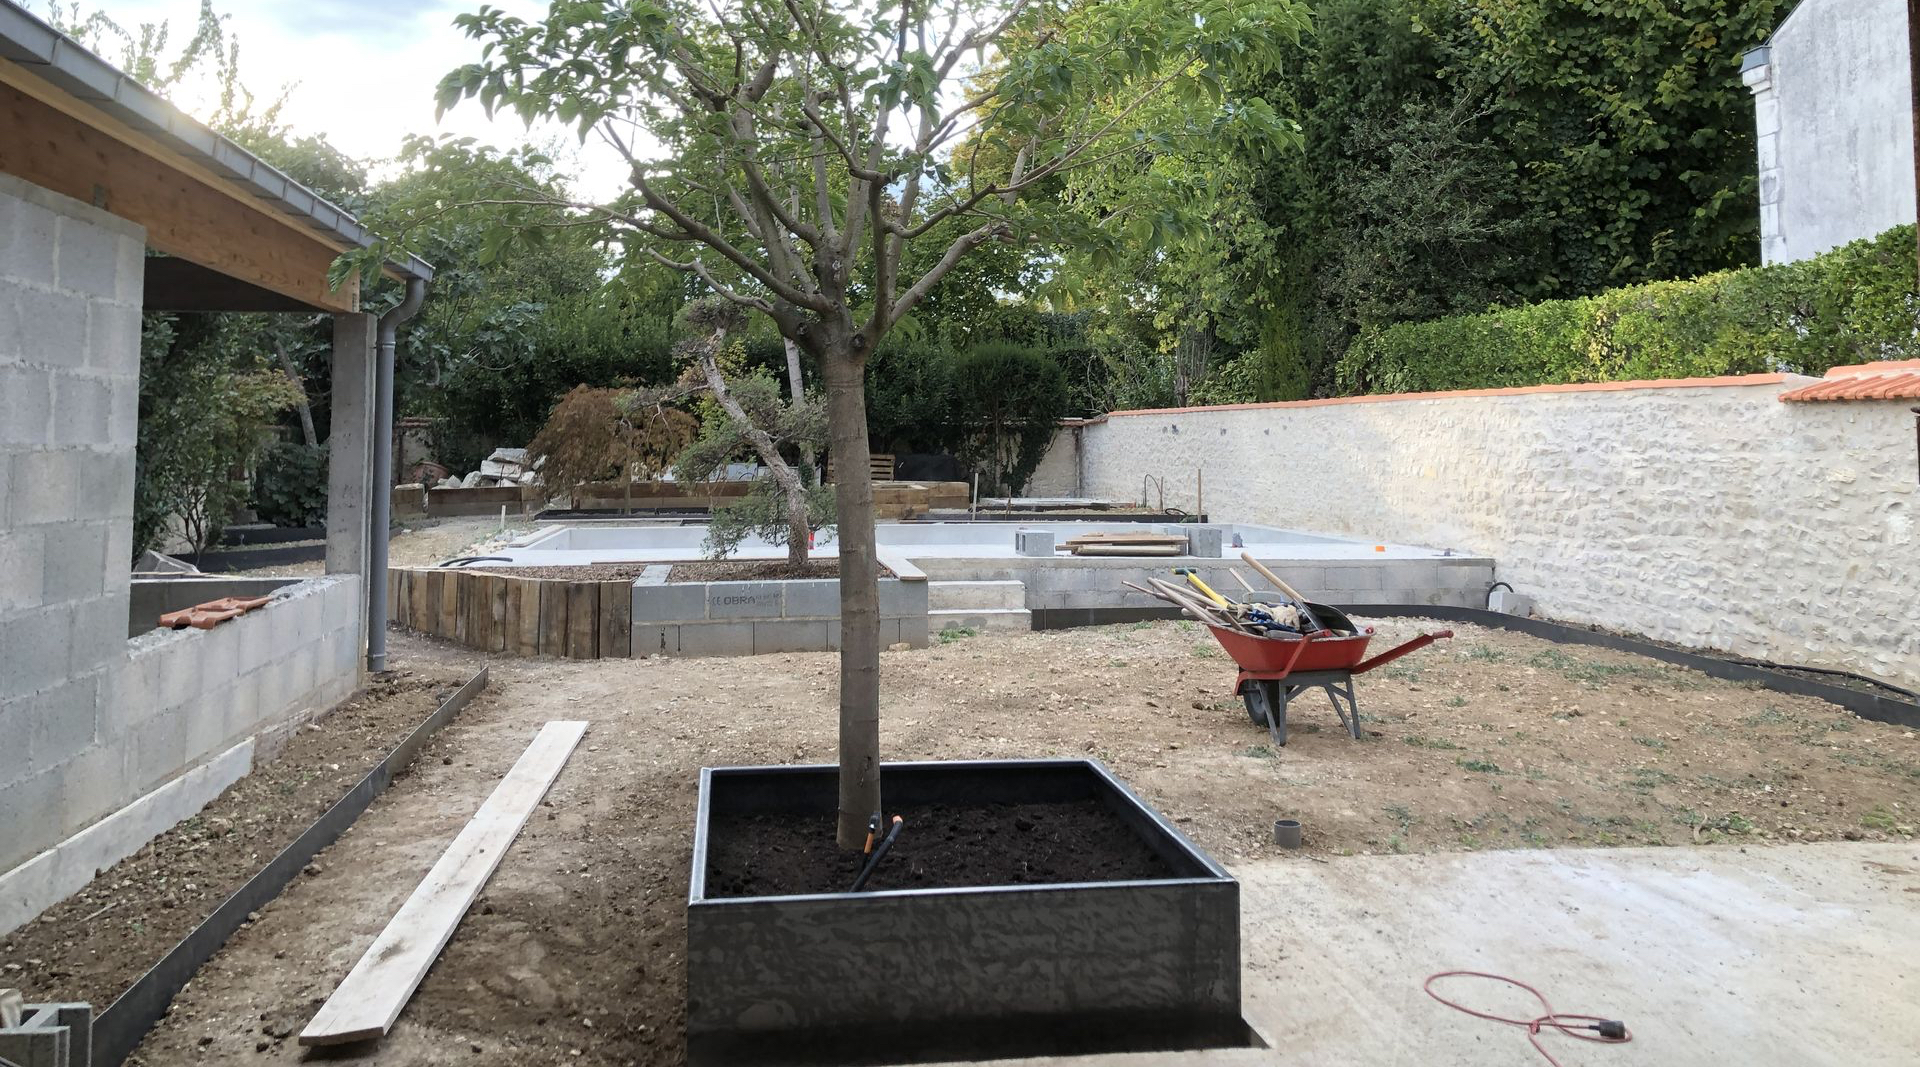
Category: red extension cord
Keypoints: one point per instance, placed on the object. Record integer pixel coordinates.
(1568, 1024)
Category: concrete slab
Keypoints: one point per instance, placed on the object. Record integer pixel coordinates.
(1794, 954)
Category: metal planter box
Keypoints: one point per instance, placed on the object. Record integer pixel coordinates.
(917, 975)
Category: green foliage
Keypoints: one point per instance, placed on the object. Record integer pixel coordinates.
(724, 439)
(290, 484)
(763, 513)
(593, 434)
(208, 404)
(1854, 304)
(1009, 400)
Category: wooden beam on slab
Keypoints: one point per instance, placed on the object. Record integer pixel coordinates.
(366, 1004)
(58, 145)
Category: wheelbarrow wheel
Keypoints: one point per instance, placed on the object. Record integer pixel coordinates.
(1254, 695)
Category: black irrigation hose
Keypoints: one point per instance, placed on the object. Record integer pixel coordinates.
(461, 561)
(878, 853)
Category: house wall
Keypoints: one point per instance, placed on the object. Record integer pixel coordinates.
(106, 741)
(1834, 122)
(1712, 515)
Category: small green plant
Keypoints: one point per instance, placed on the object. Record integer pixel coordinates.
(1878, 819)
(1651, 742)
(1767, 716)
(1456, 701)
(1258, 752)
(957, 633)
(1486, 653)
(1207, 651)
(1480, 766)
(1418, 741)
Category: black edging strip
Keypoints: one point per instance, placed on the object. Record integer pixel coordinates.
(1867, 705)
(119, 1030)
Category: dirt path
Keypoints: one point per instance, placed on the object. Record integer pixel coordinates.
(575, 953)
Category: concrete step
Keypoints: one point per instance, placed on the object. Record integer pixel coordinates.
(999, 620)
(953, 596)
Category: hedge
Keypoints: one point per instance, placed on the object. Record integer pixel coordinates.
(1854, 304)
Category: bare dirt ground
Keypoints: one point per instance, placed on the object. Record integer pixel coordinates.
(93, 945)
(575, 953)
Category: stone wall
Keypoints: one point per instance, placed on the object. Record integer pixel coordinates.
(1708, 514)
(1834, 127)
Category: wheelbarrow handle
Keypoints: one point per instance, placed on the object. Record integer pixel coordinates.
(1397, 651)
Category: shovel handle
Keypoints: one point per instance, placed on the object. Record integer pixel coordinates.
(1283, 587)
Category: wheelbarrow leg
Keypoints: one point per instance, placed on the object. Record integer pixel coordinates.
(1276, 712)
(1350, 714)
(1266, 706)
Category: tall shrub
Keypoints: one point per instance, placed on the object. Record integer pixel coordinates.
(1854, 304)
(1009, 399)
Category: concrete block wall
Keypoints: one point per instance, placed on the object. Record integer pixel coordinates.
(1707, 513)
(755, 618)
(164, 730)
(70, 292)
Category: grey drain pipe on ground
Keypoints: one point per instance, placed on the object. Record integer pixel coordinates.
(379, 517)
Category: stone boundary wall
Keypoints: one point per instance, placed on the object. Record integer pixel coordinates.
(172, 703)
(1703, 512)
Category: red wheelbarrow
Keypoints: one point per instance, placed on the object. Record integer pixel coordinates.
(1274, 669)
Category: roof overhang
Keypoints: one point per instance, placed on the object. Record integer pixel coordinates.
(76, 125)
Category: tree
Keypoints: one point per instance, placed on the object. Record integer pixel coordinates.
(797, 158)
(1013, 401)
(749, 414)
(593, 434)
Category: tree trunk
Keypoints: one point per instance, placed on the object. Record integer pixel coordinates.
(303, 407)
(799, 531)
(845, 378)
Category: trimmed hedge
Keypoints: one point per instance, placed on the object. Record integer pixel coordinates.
(1854, 304)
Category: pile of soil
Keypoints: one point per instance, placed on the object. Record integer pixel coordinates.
(940, 847)
(91, 946)
(587, 572)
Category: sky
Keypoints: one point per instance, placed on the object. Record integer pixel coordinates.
(362, 71)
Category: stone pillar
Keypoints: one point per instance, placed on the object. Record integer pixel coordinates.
(70, 294)
(350, 444)
(350, 457)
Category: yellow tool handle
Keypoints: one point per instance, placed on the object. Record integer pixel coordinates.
(1207, 591)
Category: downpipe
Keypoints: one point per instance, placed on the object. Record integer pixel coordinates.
(380, 517)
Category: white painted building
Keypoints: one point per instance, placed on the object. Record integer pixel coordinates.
(1834, 117)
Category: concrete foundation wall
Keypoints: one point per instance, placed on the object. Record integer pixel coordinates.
(1835, 127)
(1716, 517)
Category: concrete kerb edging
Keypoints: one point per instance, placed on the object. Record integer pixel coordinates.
(119, 1030)
(62, 870)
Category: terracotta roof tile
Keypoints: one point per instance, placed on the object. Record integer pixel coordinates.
(1889, 380)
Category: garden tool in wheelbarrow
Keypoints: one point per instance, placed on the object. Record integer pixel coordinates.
(1284, 648)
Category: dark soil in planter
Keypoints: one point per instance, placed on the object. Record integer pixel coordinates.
(940, 846)
(755, 570)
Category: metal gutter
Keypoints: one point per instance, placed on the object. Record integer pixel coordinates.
(63, 63)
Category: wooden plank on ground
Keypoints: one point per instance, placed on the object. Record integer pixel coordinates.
(462, 606)
(553, 618)
(583, 620)
(366, 1004)
(616, 620)
(420, 616)
(397, 597)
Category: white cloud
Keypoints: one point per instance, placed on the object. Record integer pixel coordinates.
(363, 71)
